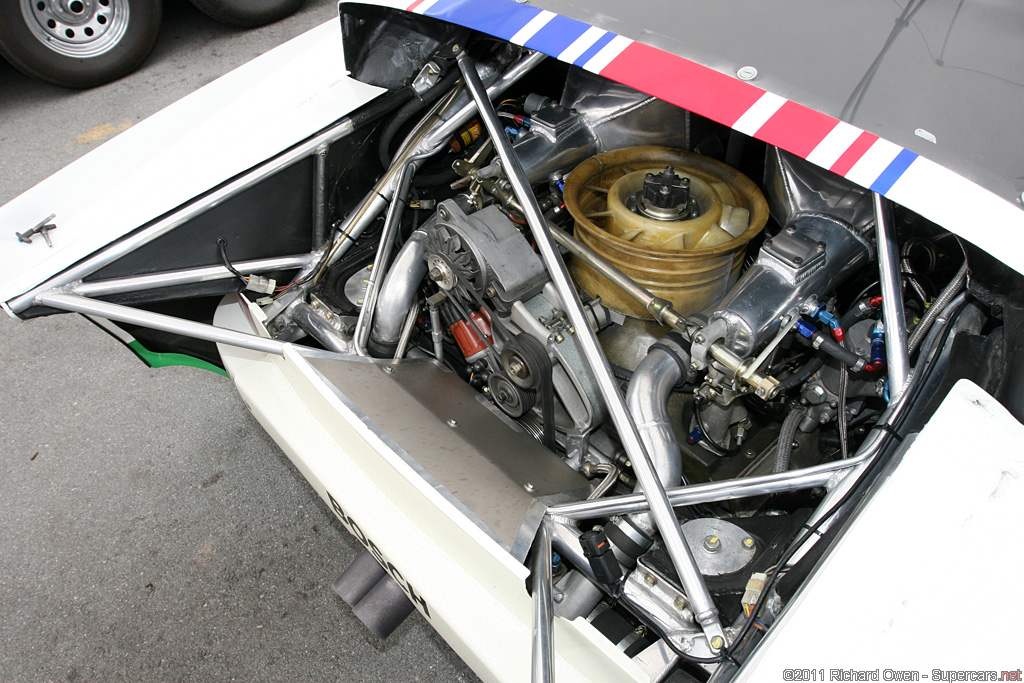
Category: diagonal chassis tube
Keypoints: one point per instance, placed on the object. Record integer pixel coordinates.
(661, 511)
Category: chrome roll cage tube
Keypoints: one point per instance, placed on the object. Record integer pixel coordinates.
(68, 292)
(661, 511)
(896, 350)
(836, 477)
(428, 138)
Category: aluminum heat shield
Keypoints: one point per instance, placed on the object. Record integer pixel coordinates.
(435, 420)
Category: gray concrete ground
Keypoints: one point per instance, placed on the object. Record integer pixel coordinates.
(150, 529)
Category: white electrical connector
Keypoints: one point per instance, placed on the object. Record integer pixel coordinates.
(261, 285)
(755, 586)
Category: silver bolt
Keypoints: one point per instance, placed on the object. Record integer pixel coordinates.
(746, 73)
(558, 596)
(443, 212)
(452, 422)
(821, 246)
(650, 579)
(791, 229)
(712, 543)
(823, 419)
(530, 486)
(516, 368)
(748, 543)
(700, 338)
(750, 453)
(388, 369)
(680, 604)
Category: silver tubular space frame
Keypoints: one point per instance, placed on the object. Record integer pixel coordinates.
(68, 292)
(837, 477)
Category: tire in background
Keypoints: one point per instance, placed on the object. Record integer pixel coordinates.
(247, 13)
(78, 44)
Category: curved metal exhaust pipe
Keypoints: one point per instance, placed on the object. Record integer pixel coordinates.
(397, 292)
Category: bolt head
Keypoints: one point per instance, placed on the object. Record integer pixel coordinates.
(680, 604)
(650, 579)
(823, 418)
(748, 543)
(712, 543)
(717, 642)
(530, 486)
(746, 73)
(452, 422)
(388, 369)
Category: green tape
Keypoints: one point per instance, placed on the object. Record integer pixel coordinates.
(163, 360)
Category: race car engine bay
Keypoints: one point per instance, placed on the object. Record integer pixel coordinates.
(737, 304)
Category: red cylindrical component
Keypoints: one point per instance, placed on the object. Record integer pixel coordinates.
(470, 343)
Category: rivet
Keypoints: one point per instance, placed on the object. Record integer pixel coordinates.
(746, 73)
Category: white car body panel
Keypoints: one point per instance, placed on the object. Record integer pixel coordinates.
(910, 584)
(227, 127)
(474, 591)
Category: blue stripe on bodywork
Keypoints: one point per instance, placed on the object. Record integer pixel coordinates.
(502, 19)
(594, 49)
(884, 182)
(556, 35)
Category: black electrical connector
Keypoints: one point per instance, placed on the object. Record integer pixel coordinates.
(598, 552)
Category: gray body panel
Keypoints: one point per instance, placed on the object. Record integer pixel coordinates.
(955, 70)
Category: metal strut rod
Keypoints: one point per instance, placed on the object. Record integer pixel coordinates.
(897, 355)
(543, 609)
(158, 321)
(661, 511)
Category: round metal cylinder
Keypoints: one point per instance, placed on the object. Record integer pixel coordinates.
(691, 262)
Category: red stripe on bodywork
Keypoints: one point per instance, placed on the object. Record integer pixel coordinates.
(796, 128)
(853, 154)
(684, 83)
(414, 5)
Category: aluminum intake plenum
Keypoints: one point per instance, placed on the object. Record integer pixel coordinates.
(810, 257)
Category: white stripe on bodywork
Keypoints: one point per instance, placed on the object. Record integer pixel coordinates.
(606, 54)
(581, 45)
(759, 113)
(879, 155)
(834, 145)
(532, 26)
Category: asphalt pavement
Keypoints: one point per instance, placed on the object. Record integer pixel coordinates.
(151, 531)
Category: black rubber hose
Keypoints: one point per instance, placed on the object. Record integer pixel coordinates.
(843, 355)
(411, 108)
(444, 177)
(380, 106)
(803, 373)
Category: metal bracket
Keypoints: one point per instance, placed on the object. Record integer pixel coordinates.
(43, 228)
